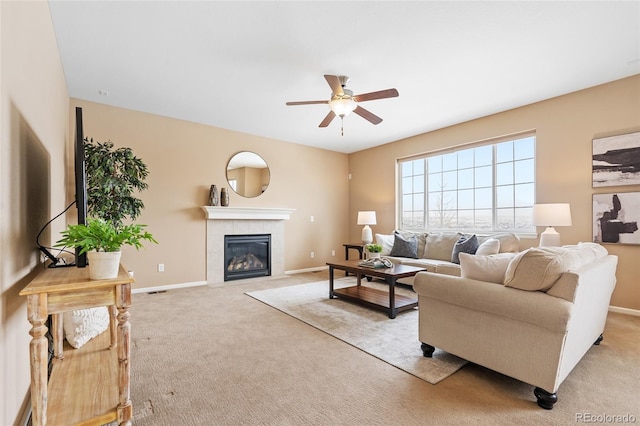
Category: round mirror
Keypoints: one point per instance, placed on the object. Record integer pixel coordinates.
(248, 174)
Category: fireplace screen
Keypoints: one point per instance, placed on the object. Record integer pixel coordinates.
(247, 256)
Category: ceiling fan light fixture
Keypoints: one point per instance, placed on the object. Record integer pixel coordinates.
(342, 106)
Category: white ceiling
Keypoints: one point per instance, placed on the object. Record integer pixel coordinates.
(234, 64)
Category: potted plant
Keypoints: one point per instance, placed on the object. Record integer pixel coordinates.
(101, 240)
(113, 174)
(373, 250)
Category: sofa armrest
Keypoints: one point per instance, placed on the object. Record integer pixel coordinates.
(533, 307)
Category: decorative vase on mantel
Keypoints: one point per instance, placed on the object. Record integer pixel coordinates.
(213, 196)
(224, 197)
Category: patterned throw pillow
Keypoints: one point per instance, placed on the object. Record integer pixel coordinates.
(405, 246)
(84, 324)
(465, 244)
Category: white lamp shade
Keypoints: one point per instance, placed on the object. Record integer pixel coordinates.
(367, 218)
(555, 214)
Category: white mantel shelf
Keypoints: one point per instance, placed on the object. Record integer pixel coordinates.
(246, 213)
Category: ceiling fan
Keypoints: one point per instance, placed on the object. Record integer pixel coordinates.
(343, 102)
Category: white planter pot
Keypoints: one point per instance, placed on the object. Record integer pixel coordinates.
(374, 255)
(103, 265)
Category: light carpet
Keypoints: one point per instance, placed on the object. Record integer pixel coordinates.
(394, 341)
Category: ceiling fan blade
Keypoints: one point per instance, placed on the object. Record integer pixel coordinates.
(327, 119)
(307, 102)
(382, 94)
(334, 82)
(367, 115)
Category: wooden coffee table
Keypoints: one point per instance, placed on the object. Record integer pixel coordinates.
(387, 301)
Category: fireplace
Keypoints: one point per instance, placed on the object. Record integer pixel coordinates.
(247, 256)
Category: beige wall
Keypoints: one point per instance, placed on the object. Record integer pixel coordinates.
(565, 127)
(33, 132)
(185, 158)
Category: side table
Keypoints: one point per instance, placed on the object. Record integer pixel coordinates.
(355, 246)
(86, 387)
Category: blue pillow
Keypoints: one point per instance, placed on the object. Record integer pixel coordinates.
(404, 247)
(465, 244)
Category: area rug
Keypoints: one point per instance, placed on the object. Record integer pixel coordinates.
(394, 341)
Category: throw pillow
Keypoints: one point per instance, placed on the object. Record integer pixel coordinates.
(538, 268)
(440, 246)
(386, 241)
(405, 247)
(422, 239)
(84, 324)
(489, 247)
(509, 243)
(489, 268)
(465, 244)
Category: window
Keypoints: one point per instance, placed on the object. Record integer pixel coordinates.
(486, 188)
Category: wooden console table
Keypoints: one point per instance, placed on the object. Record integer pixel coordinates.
(90, 385)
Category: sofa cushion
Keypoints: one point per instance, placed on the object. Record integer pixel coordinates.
(488, 247)
(386, 241)
(465, 244)
(405, 246)
(490, 268)
(431, 265)
(447, 268)
(440, 245)
(538, 268)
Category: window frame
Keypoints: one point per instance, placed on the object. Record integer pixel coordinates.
(425, 196)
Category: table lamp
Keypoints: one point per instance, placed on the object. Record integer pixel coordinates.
(550, 215)
(367, 218)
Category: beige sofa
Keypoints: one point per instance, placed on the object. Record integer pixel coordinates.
(535, 326)
(434, 250)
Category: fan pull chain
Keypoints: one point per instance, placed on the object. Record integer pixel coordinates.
(342, 125)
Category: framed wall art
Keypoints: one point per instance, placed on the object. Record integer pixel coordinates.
(616, 160)
(616, 217)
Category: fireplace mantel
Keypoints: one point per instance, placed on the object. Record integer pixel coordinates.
(223, 221)
(247, 213)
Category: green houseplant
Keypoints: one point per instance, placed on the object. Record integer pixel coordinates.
(113, 174)
(373, 250)
(101, 240)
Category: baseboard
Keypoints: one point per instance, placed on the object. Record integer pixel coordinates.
(625, 311)
(302, 271)
(168, 287)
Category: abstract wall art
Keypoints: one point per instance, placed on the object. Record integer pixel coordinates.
(616, 217)
(616, 160)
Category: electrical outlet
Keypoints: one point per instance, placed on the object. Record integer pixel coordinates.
(312, 254)
(160, 267)
(312, 219)
(333, 252)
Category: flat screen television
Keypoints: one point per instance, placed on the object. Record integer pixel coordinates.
(81, 183)
(80, 177)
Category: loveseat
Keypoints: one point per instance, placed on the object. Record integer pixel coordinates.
(533, 325)
(439, 251)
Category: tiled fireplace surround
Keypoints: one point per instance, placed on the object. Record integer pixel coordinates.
(223, 221)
